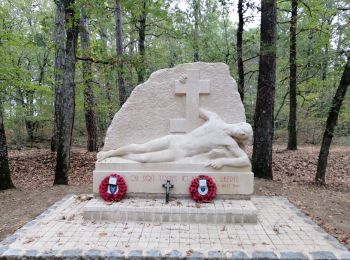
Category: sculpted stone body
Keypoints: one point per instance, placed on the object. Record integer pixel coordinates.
(163, 133)
(215, 138)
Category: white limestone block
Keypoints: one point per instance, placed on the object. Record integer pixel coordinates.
(153, 105)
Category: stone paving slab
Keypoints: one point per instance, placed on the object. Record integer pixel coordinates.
(177, 211)
(282, 232)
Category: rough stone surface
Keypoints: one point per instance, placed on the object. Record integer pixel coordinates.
(93, 254)
(72, 253)
(195, 255)
(323, 255)
(215, 254)
(31, 253)
(157, 100)
(49, 254)
(13, 252)
(239, 255)
(153, 254)
(345, 256)
(290, 255)
(174, 254)
(264, 255)
(3, 249)
(114, 254)
(135, 254)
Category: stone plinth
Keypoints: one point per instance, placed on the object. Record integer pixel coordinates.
(147, 178)
(176, 211)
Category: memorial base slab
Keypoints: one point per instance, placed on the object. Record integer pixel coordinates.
(176, 211)
(148, 178)
(282, 232)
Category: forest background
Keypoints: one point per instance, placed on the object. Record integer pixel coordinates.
(161, 34)
(112, 46)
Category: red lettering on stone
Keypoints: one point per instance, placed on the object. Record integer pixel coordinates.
(134, 178)
(147, 178)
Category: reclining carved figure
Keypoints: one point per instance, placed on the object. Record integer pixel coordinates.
(213, 134)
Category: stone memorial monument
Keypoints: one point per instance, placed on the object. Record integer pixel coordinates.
(180, 135)
(181, 123)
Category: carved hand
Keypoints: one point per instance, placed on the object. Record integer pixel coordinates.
(216, 164)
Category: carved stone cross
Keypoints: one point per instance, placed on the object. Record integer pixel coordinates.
(192, 87)
(167, 187)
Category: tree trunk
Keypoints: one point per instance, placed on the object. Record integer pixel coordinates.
(60, 47)
(26, 99)
(66, 102)
(324, 70)
(292, 125)
(264, 110)
(109, 98)
(29, 122)
(5, 173)
(325, 58)
(30, 126)
(108, 87)
(142, 37)
(89, 97)
(331, 123)
(309, 52)
(196, 11)
(240, 65)
(119, 49)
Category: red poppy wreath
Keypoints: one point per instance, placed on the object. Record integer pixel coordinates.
(203, 189)
(113, 188)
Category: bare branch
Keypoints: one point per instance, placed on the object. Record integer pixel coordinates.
(343, 8)
(307, 7)
(251, 58)
(281, 106)
(251, 71)
(110, 62)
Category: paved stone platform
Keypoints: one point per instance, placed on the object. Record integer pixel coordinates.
(282, 232)
(176, 211)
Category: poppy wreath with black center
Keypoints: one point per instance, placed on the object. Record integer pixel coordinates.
(122, 188)
(196, 196)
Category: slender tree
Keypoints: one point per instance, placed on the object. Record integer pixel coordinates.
(292, 125)
(141, 42)
(325, 58)
(26, 99)
(66, 103)
(119, 49)
(60, 47)
(240, 65)
(89, 97)
(331, 123)
(107, 84)
(5, 173)
(264, 110)
(196, 12)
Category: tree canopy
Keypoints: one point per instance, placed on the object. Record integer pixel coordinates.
(160, 34)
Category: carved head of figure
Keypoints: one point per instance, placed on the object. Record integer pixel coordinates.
(241, 132)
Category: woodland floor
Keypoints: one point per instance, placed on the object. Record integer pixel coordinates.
(329, 206)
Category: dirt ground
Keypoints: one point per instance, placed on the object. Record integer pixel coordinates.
(329, 206)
